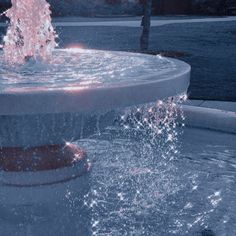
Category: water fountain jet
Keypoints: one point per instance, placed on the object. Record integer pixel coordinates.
(29, 35)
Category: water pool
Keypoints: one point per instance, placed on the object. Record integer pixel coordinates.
(139, 188)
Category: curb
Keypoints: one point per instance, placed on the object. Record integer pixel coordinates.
(208, 118)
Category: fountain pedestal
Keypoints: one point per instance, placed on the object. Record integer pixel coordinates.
(50, 157)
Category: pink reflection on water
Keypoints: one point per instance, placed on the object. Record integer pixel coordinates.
(30, 33)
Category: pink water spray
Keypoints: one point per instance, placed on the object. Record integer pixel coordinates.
(30, 34)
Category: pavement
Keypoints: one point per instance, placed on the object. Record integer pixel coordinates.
(80, 21)
(136, 23)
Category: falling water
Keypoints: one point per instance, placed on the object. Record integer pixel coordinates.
(141, 172)
(30, 33)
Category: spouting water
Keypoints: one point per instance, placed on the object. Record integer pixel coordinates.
(30, 34)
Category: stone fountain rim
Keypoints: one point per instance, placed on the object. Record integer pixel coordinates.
(210, 119)
(97, 98)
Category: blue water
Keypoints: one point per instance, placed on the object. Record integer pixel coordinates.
(142, 191)
(83, 68)
(136, 188)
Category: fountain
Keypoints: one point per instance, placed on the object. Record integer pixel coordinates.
(48, 96)
(52, 97)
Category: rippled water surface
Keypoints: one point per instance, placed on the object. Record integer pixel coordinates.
(138, 187)
(138, 190)
(82, 68)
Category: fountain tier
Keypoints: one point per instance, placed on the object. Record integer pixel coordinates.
(48, 104)
(88, 81)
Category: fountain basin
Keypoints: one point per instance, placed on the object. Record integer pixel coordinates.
(51, 105)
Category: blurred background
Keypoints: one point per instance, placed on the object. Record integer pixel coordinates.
(135, 7)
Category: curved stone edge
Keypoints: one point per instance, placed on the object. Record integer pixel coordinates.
(96, 99)
(208, 118)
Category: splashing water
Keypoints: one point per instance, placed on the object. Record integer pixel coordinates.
(143, 185)
(30, 33)
(141, 171)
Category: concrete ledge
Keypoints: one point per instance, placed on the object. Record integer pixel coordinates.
(208, 118)
(219, 105)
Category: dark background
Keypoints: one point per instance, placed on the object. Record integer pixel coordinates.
(123, 7)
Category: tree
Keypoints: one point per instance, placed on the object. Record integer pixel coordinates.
(146, 24)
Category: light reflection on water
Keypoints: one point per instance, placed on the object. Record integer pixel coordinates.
(131, 196)
(80, 67)
(144, 183)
